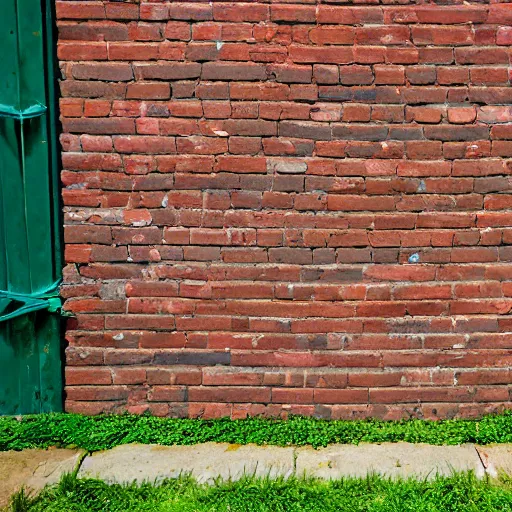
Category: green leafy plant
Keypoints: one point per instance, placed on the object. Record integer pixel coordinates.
(95, 433)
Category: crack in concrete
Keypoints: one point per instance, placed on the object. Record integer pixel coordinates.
(79, 463)
(488, 466)
(482, 463)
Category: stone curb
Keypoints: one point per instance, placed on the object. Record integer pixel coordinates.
(206, 462)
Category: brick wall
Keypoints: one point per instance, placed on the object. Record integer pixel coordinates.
(277, 208)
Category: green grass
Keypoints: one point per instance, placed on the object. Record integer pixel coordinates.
(460, 492)
(94, 433)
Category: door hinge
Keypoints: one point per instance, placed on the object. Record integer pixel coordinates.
(13, 304)
(11, 112)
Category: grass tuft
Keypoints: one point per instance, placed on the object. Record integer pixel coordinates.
(21, 501)
(460, 492)
(95, 433)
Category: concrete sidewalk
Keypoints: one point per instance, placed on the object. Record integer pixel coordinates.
(124, 464)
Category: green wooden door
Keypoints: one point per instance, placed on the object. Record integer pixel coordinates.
(30, 340)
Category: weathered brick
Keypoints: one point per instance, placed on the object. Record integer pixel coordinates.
(291, 74)
(85, 10)
(176, 71)
(85, 50)
(230, 71)
(277, 208)
(99, 126)
(132, 51)
(102, 71)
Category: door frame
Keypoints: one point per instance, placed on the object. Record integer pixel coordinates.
(54, 166)
(52, 67)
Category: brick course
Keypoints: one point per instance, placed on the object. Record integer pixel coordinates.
(298, 207)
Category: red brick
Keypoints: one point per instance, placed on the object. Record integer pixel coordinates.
(177, 30)
(117, 11)
(97, 108)
(145, 31)
(190, 11)
(154, 11)
(157, 91)
(489, 75)
(349, 15)
(337, 396)
(133, 51)
(321, 55)
(82, 51)
(71, 107)
(332, 35)
(240, 11)
(293, 13)
(492, 114)
(84, 10)
(438, 35)
(500, 14)
(229, 394)
(88, 376)
(275, 208)
(129, 376)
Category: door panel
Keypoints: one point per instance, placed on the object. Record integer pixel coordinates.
(30, 368)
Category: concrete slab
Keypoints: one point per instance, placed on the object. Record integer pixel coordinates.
(36, 468)
(128, 463)
(496, 458)
(33, 469)
(400, 460)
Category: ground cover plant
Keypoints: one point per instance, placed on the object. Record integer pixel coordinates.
(94, 433)
(460, 492)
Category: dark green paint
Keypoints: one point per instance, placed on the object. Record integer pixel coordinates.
(30, 367)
